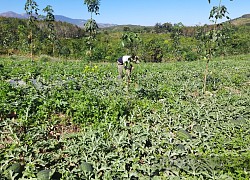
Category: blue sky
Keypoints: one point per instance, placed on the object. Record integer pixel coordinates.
(137, 12)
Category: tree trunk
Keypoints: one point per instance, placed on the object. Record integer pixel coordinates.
(205, 77)
(31, 45)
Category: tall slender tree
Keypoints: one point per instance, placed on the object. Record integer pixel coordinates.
(50, 18)
(214, 36)
(176, 40)
(91, 25)
(31, 8)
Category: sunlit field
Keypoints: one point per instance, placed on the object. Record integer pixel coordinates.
(72, 120)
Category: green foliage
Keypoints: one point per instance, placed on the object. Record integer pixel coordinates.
(14, 171)
(91, 26)
(45, 174)
(86, 167)
(44, 58)
(131, 42)
(93, 6)
(72, 120)
(50, 18)
(163, 28)
(215, 37)
(44, 39)
(152, 50)
(31, 8)
(172, 43)
(175, 37)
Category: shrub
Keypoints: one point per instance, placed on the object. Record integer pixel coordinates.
(45, 58)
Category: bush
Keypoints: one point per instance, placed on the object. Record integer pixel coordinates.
(190, 56)
(45, 58)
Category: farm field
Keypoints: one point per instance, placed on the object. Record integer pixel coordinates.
(73, 120)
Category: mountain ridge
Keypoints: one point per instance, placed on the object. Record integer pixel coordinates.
(78, 22)
(244, 19)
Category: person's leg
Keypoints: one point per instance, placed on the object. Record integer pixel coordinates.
(120, 69)
(128, 72)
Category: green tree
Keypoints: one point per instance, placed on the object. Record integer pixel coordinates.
(50, 18)
(126, 28)
(167, 27)
(31, 9)
(175, 37)
(23, 44)
(158, 28)
(131, 41)
(91, 25)
(153, 50)
(8, 38)
(214, 36)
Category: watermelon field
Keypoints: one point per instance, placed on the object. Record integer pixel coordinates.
(63, 119)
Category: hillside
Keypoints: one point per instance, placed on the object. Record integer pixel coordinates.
(243, 20)
(246, 16)
(62, 29)
(78, 22)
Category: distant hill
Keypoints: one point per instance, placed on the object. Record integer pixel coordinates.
(13, 15)
(77, 22)
(246, 16)
(80, 22)
(243, 20)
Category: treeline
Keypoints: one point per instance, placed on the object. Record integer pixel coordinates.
(14, 36)
(163, 42)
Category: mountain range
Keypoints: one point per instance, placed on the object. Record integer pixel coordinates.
(77, 22)
(243, 20)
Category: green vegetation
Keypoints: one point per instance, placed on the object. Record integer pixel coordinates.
(62, 117)
(156, 44)
(72, 120)
(31, 9)
(91, 26)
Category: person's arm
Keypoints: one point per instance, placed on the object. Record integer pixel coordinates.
(127, 64)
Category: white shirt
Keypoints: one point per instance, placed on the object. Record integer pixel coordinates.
(125, 59)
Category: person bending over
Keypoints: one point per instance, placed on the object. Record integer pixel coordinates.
(125, 62)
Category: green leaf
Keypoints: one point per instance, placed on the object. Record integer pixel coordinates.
(183, 134)
(86, 167)
(16, 168)
(45, 174)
